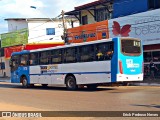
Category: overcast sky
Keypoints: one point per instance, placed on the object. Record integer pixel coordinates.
(45, 8)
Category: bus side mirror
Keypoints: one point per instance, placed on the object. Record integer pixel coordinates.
(10, 63)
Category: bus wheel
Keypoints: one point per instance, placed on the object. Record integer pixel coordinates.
(92, 87)
(71, 83)
(24, 82)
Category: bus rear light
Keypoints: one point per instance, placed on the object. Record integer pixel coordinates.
(120, 67)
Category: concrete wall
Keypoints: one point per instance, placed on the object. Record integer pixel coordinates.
(14, 25)
(90, 17)
(37, 31)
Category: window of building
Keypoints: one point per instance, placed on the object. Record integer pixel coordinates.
(70, 55)
(152, 55)
(1, 52)
(156, 56)
(154, 4)
(86, 53)
(84, 20)
(50, 31)
(56, 56)
(103, 14)
(147, 56)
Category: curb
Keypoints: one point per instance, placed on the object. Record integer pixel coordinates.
(146, 84)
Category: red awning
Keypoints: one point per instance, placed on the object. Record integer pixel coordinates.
(41, 45)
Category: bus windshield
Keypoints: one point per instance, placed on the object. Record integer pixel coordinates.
(131, 47)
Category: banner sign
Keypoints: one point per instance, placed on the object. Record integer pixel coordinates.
(8, 51)
(18, 37)
(145, 26)
(89, 32)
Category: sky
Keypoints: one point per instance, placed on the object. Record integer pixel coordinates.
(44, 9)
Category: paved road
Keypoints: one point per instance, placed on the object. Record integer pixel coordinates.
(130, 98)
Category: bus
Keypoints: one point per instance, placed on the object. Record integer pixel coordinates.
(88, 64)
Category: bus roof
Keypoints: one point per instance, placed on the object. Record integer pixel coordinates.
(74, 44)
(22, 52)
(69, 45)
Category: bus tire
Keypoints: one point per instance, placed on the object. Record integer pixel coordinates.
(92, 87)
(71, 83)
(24, 82)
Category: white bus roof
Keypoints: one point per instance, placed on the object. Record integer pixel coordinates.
(74, 44)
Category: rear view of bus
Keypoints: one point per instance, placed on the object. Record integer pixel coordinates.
(128, 59)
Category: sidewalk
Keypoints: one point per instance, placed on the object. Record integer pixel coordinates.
(147, 82)
(5, 79)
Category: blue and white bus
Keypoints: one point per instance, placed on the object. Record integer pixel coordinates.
(83, 64)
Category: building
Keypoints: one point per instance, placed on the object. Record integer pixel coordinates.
(126, 18)
(31, 33)
(109, 9)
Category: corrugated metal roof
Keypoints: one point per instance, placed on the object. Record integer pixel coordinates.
(85, 6)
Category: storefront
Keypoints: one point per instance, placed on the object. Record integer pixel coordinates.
(151, 52)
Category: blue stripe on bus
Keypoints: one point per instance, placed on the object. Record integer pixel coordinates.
(73, 73)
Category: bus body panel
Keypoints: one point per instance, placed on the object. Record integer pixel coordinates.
(83, 72)
(114, 61)
(21, 71)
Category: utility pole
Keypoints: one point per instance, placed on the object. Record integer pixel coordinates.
(64, 27)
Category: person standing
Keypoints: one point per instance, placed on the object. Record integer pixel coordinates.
(152, 67)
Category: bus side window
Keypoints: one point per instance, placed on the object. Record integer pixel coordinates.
(104, 51)
(23, 60)
(33, 58)
(70, 55)
(109, 51)
(100, 51)
(56, 56)
(86, 53)
(44, 57)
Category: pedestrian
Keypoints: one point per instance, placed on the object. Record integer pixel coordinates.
(152, 67)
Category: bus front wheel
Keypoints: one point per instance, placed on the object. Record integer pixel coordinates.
(71, 83)
(24, 82)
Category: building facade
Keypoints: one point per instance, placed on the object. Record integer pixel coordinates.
(24, 33)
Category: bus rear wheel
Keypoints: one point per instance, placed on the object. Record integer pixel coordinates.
(71, 83)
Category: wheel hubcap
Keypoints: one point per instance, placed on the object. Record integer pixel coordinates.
(24, 82)
(71, 83)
